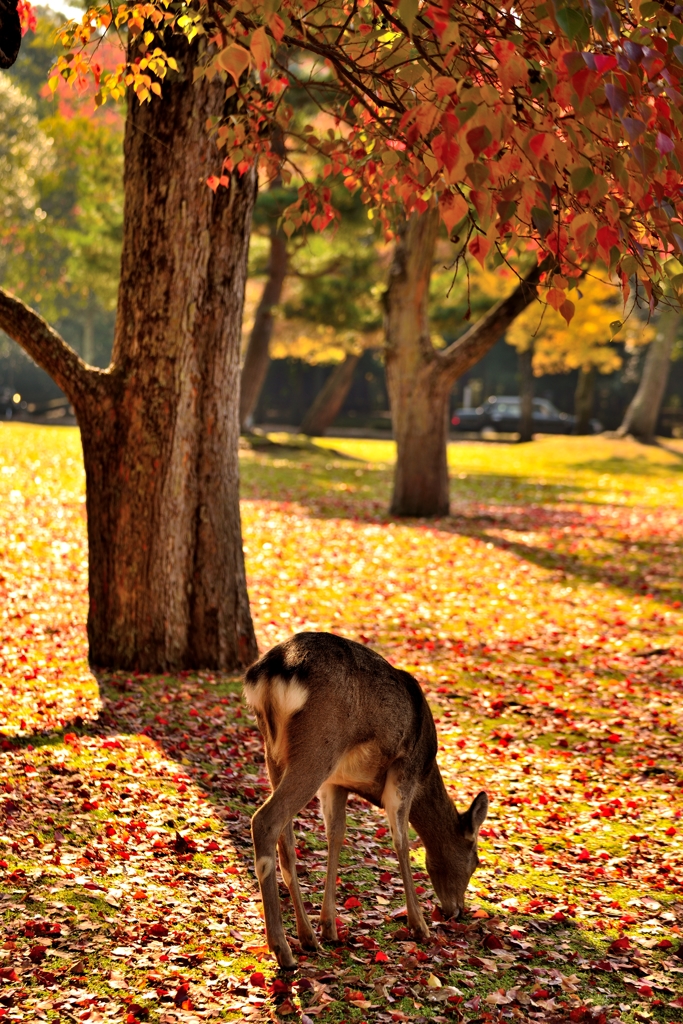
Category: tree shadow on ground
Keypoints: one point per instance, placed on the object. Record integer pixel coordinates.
(589, 541)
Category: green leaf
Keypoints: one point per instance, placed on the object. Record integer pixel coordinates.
(477, 173)
(628, 265)
(582, 178)
(543, 220)
(672, 268)
(572, 23)
(615, 327)
(407, 12)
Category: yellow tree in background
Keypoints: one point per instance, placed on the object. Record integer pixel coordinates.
(586, 344)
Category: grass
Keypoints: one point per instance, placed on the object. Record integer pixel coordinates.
(543, 618)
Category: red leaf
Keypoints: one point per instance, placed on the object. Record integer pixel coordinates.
(620, 944)
(381, 958)
(352, 902)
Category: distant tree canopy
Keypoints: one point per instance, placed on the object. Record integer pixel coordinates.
(588, 341)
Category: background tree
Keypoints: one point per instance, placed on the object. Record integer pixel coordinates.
(329, 313)
(64, 253)
(586, 344)
(640, 418)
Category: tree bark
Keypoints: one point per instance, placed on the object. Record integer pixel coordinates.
(526, 394)
(160, 427)
(641, 417)
(257, 358)
(420, 378)
(329, 400)
(584, 399)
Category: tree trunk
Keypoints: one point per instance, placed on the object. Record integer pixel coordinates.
(329, 400)
(160, 427)
(640, 418)
(420, 378)
(257, 358)
(417, 396)
(584, 399)
(526, 394)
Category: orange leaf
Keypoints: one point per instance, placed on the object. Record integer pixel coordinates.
(260, 48)
(276, 26)
(479, 248)
(235, 60)
(452, 208)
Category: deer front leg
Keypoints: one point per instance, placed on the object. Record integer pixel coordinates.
(287, 852)
(333, 800)
(397, 806)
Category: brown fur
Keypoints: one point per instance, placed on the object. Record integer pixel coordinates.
(336, 717)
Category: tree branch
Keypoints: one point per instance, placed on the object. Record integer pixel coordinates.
(47, 348)
(475, 343)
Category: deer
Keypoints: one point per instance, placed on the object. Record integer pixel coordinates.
(337, 718)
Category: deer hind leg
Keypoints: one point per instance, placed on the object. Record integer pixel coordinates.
(333, 800)
(396, 799)
(295, 789)
(287, 852)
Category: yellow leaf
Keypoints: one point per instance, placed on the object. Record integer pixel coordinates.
(433, 981)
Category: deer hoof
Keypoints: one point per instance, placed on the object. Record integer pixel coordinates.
(309, 941)
(421, 932)
(328, 931)
(284, 957)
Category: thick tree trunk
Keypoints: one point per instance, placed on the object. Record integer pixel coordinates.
(257, 358)
(160, 427)
(640, 418)
(419, 378)
(584, 399)
(329, 400)
(417, 394)
(526, 394)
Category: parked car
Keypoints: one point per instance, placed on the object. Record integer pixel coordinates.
(502, 414)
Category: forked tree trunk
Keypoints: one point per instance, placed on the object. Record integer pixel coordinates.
(641, 417)
(331, 397)
(420, 378)
(257, 358)
(526, 394)
(584, 399)
(160, 428)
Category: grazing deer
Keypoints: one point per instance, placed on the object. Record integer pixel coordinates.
(337, 718)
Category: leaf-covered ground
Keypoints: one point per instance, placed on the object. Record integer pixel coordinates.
(544, 621)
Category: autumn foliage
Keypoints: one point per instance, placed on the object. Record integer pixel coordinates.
(531, 125)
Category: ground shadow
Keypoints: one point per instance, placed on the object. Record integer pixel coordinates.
(576, 542)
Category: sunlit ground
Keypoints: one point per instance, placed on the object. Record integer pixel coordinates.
(544, 620)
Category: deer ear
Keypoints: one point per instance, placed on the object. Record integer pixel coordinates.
(475, 816)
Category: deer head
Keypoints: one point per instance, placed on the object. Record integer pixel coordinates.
(454, 861)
